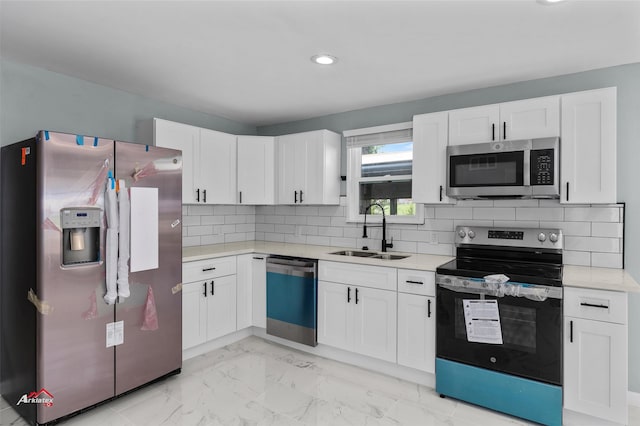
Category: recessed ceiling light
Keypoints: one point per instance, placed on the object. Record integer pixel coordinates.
(324, 59)
(547, 2)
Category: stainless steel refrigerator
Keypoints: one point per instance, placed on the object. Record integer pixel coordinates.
(64, 348)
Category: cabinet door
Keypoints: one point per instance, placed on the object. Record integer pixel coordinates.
(217, 173)
(430, 158)
(194, 315)
(310, 155)
(595, 368)
(335, 313)
(474, 125)
(530, 118)
(221, 306)
(168, 134)
(374, 323)
(256, 170)
(259, 293)
(588, 145)
(417, 332)
(244, 290)
(289, 154)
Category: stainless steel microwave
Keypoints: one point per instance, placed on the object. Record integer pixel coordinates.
(506, 169)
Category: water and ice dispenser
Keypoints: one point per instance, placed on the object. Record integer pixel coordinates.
(80, 235)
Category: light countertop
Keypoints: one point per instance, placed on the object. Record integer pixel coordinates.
(573, 276)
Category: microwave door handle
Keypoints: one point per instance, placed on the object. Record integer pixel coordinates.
(526, 168)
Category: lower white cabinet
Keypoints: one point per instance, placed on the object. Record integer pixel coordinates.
(417, 319)
(244, 294)
(595, 354)
(259, 290)
(358, 319)
(417, 331)
(209, 301)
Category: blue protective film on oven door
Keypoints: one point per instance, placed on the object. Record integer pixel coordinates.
(528, 399)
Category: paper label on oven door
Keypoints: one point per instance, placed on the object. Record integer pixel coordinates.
(482, 320)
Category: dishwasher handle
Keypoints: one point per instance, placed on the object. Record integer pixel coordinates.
(296, 267)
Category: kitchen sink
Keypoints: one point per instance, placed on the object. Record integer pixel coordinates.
(355, 253)
(387, 256)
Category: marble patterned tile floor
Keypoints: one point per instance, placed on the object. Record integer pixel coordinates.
(257, 382)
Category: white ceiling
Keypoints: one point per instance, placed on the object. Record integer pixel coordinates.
(249, 61)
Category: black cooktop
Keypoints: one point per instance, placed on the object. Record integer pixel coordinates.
(522, 267)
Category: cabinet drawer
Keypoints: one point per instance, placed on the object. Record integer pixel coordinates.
(360, 275)
(599, 305)
(417, 282)
(210, 268)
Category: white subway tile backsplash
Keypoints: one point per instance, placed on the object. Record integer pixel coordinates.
(539, 213)
(516, 224)
(274, 219)
(606, 245)
(244, 209)
(318, 240)
(593, 234)
(603, 229)
(517, 203)
(439, 249)
(212, 220)
(437, 225)
(246, 227)
(327, 231)
(578, 229)
(295, 220)
(238, 218)
(494, 213)
(224, 210)
(592, 214)
(579, 258)
(195, 210)
(193, 231)
(307, 210)
(343, 242)
(451, 212)
(319, 220)
(285, 210)
(285, 229)
(190, 241)
(211, 239)
(606, 260)
(405, 246)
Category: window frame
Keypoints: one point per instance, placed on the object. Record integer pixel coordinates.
(354, 178)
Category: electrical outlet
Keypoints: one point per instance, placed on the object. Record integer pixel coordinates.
(434, 238)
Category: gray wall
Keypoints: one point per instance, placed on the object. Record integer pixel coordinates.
(33, 99)
(625, 77)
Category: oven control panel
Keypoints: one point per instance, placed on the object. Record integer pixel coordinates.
(513, 237)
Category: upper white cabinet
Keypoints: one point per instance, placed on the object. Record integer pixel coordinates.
(429, 158)
(526, 119)
(217, 167)
(595, 353)
(588, 147)
(208, 161)
(256, 170)
(186, 138)
(308, 168)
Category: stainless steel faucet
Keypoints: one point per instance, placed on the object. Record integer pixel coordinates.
(385, 244)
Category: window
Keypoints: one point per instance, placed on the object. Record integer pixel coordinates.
(380, 167)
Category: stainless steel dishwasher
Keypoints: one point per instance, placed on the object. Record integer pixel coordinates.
(292, 295)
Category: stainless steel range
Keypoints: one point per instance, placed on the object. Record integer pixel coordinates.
(499, 321)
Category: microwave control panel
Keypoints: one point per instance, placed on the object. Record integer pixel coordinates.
(542, 167)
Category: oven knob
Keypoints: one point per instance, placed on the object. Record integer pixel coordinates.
(553, 238)
(462, 233)
(542, 237)
(472, 235)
